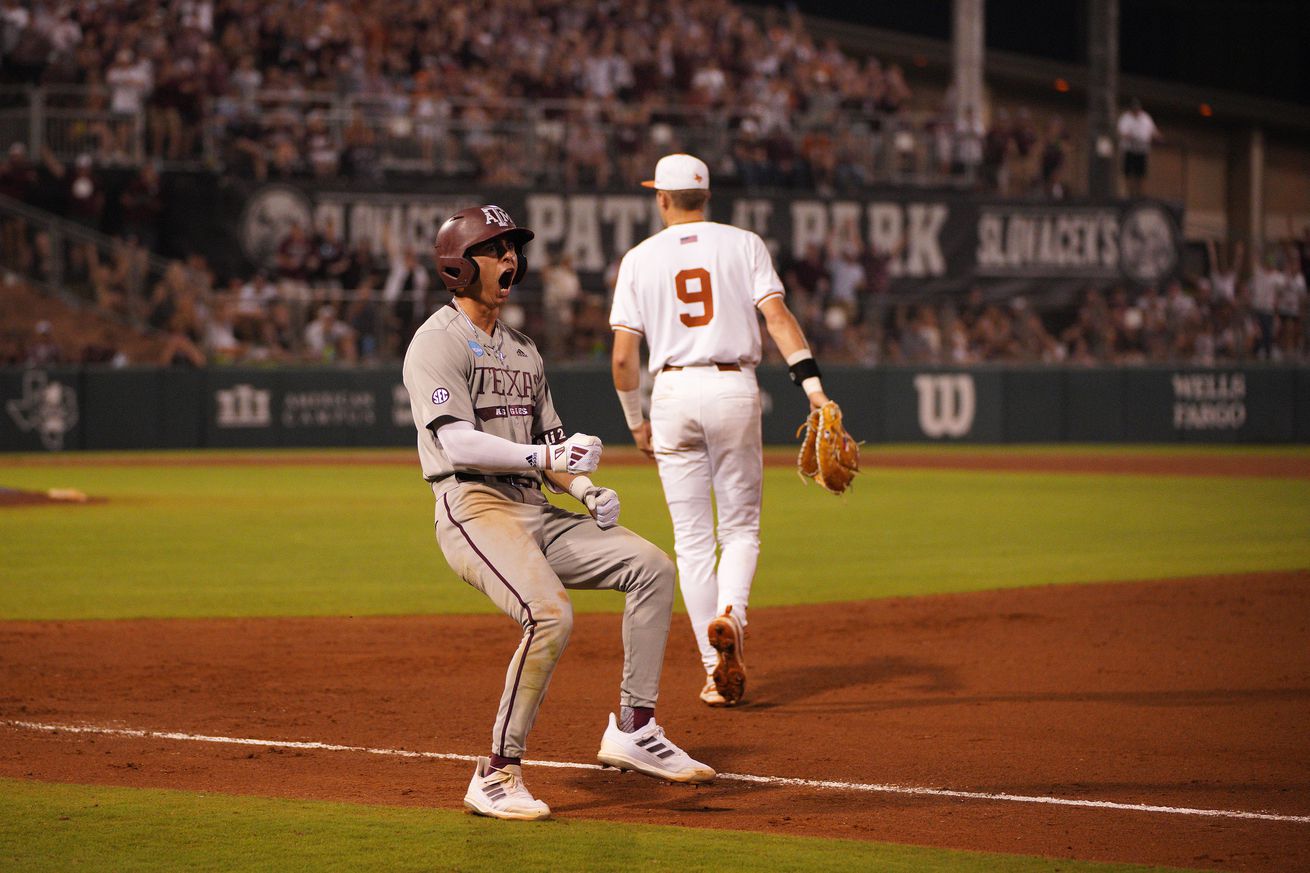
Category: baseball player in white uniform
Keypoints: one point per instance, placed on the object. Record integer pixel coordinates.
(693, 291)
(488, 435)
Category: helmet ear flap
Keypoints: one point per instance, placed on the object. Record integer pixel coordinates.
(522, 269)
(457, 273)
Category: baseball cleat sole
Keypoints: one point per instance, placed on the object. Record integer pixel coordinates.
(730, 673)
(508, 815)
(617, 761)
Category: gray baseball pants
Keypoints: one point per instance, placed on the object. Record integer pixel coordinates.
(523, 552)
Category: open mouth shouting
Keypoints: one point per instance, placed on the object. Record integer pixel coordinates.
(505, 278)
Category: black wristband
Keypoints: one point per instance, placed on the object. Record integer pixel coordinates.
(802, 370)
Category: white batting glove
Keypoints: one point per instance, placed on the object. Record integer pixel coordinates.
(601, 503)
(579, 453)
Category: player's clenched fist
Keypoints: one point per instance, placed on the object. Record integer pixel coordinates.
(603, 504)
(579, 453)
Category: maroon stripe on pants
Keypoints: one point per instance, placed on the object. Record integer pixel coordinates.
(532, 622)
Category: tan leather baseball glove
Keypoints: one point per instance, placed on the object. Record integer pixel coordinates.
(828, 454)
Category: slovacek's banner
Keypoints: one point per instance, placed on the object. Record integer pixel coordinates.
(935, 242)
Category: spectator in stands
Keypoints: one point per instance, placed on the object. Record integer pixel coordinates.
(998, 154)
(177, 311)
(130, 80)
(969, 135)
(1223, 274)
(1032, 341)
(591, 329)
(330, 259)
(1179, 305)
(320, 147)
(1026, 152)
(363, 321)
(957, 349)
(277, 339)
(431, 112)
(282, 146)
(18, 175)
(1266, 283)
(45, 263)
(329, 340)
(1137, 133)
(588, 163)
(808, 279)
(361, 159)
(254, 301)
(1291, 304)
(220, 340)
(847, 272)
(921, 336)
(896, 93)
(560, 292)
(296, 262)
(1054, 158)
(405, 294)
(1153, 330)
(19, 180)
(14, 20)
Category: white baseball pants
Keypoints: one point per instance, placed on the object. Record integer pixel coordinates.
(705, 428)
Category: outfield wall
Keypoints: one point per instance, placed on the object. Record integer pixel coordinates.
(68, 409)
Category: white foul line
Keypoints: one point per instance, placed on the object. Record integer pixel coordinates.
(871, 787)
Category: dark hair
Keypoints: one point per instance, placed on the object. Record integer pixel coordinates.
(689, 199)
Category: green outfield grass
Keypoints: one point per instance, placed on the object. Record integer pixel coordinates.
(289, 539)
(72, 827)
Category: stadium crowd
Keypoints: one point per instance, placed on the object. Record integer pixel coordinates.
(505, 92)
(530, 93)
(326, 302)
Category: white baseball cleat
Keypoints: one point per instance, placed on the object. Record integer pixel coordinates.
(649, 751)
(502, 794)
(728, 639)
(710, 693)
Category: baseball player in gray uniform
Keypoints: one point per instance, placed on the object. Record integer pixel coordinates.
(488, 437)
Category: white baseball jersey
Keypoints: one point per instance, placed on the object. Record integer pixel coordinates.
(692, 291)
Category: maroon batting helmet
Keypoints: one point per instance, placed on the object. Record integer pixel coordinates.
(466, 229)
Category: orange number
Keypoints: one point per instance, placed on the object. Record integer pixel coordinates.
(704, 295)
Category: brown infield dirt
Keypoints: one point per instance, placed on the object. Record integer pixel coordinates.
(1182, 693)
(1187, 693)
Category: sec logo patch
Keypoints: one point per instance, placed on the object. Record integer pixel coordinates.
(440, 396)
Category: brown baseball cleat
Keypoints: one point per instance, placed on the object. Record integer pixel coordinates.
(727, 638)
(710, 693)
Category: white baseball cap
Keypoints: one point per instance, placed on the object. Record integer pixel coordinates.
(679, 173)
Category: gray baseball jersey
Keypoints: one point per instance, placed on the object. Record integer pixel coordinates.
(507, 540)
(456, 372)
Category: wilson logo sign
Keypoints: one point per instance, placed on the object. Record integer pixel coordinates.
(947, 403)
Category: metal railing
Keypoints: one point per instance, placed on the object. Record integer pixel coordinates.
(512, 141)
(81, 266)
